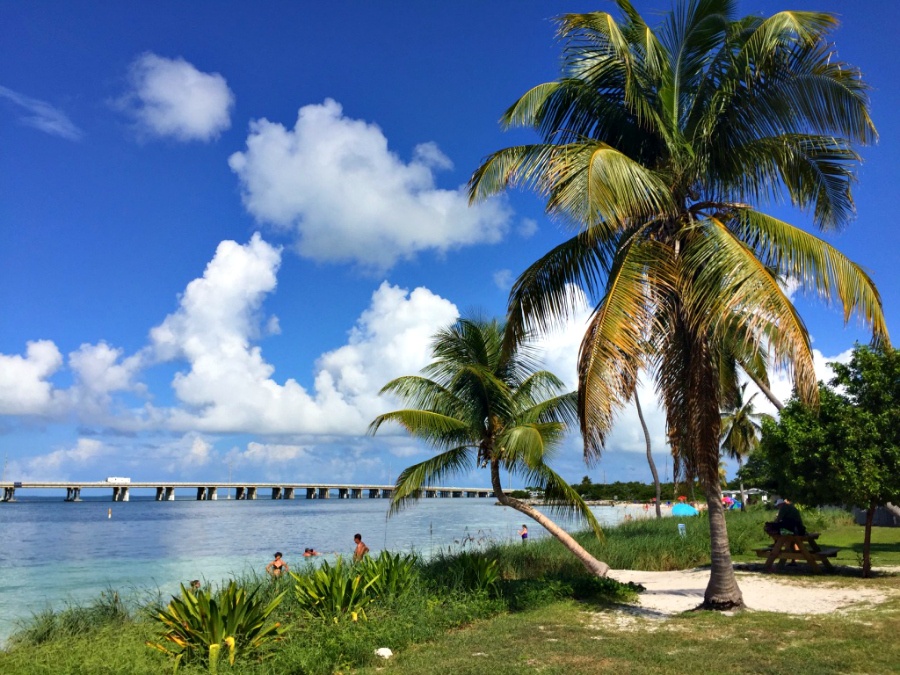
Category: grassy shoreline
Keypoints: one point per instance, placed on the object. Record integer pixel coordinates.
(539, 585)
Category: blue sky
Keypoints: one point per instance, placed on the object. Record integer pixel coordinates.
(225, 226)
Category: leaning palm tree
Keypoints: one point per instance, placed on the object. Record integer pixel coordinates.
(657, 145)
(741, 427)
(483, 406)
(653, 471)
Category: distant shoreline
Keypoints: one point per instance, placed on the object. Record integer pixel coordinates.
(595, 502)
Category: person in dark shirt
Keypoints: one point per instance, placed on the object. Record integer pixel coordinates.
(788, 518)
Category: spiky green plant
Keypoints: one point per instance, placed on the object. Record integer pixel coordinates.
(391, 574)
(334, 591)
(478, 573)
(199, 623)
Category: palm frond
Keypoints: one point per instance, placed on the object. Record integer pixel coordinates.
(592, 181)
(525, 445)
(412, 479)
(815, 263)
(542, 298)
(562, 497)
(730, 281)
(434, 428)
(613, 348)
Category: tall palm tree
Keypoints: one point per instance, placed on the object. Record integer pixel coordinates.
(653, 472)
(484, 406)
(656, 144)
(741, 427)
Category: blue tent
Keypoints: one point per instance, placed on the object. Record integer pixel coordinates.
(684, 510)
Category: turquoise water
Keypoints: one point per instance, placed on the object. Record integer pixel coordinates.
(53, 552)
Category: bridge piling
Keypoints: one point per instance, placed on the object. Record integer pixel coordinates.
(121, 490)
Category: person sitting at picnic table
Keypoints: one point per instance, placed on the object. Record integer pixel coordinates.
(788, 518)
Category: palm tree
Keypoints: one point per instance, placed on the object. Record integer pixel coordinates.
(655, 145)
(483, 406)
(741, 427)
(653, 472)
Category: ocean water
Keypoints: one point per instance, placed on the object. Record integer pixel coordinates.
(53, 552)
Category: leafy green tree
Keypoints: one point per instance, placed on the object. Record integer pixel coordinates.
(871, 382)
(483, 406)
(655, 145)
(741, 427)
(847, 451)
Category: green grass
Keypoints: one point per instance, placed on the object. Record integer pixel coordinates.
(565, 639)
(544, 614)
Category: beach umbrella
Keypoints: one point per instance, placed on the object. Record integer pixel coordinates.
(684, 510)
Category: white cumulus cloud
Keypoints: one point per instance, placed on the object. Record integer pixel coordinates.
(59, 463)
(24, 385)
(335, 184)
(229, 387)
(172, 98)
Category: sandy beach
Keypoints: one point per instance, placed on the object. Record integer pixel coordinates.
(669, 593)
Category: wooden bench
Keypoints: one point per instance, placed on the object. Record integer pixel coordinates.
(797, 547)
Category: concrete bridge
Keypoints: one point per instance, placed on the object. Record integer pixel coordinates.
(209, 491)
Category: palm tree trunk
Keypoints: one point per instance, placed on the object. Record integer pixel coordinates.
(594, 566)
(722, 592)
(765, 390)
(637, 404)
(704, 433)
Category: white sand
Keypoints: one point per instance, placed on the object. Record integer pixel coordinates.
(670, 593)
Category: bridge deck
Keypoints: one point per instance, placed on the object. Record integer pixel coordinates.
(165, 490)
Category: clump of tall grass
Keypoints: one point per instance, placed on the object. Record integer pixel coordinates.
(72, 620)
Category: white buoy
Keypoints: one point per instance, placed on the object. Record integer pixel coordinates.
(109, 512)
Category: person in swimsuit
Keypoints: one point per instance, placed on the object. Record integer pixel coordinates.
(277, 566)
(361, 549)
(310, 552)
(524, 533)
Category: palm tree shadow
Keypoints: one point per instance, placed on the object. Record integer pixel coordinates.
(874, 548)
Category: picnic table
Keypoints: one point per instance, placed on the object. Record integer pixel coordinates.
(797, 547)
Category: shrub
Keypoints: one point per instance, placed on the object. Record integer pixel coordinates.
(475, 573)
(390, 575)
(199, 625)
(334, 591)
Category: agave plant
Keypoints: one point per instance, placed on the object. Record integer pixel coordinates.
(477, 573)
(391, 574)
(334, 591)
(199, 624)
